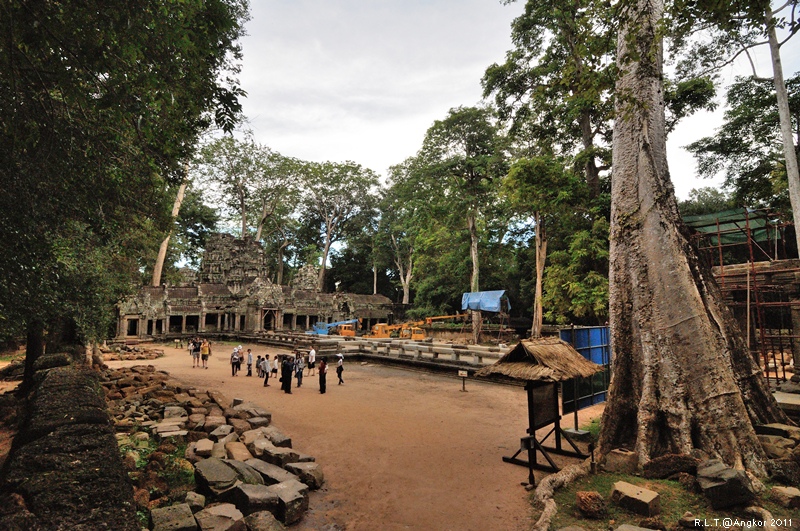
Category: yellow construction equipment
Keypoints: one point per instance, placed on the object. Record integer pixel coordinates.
(408, 330)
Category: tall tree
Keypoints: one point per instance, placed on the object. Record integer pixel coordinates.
(332, 196)
(539, 189)
(682, 376)
(97, 118)
(464, 154)
(556, 84)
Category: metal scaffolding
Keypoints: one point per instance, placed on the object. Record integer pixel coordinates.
(758, 281)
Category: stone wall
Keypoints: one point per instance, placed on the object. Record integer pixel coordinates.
(64, 470)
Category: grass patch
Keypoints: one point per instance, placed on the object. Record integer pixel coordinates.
(675, 501)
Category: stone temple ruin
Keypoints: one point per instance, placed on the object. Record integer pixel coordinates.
(232, 292)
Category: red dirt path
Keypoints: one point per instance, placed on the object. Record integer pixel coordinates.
(400, 449)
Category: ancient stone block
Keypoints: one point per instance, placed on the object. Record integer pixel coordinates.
(221, 432)
(239, 426)
(213, 422)
(253, 498)
(245, 472)
(781, 430)
(636, 499)
(214, 476)
(788, 497)
(220, 517)
(292, 500)
(250, 436)
(271, 474)
(277, 437)
(195, 501)
(621, 461)
(173, 518)
(238, 451)
(263, 521)
(309, 473)
(722, 485)
(260, 422)
(204, 447)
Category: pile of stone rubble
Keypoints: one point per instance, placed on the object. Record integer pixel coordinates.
(248, 476)
(131, 353)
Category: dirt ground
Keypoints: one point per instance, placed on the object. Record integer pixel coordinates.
(400, 449)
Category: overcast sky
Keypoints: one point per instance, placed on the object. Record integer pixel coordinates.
(362, 80)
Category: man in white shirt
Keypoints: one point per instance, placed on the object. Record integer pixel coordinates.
(312, 359)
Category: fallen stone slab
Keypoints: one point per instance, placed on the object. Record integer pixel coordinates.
(237, 451)
(220, 517)
(245, 472)
(788, 497)
(265, 450)
(263, 521)
(174, 411)
(204, 447)
(271, 474)
(636, 499)
(195, 501)
(173, 518)
(309, 473)
(259, 422)
(292, 500)
(723, 486)
(213, 422)
(250, 436)
(219, 451)
(251, 499)
(277, 437)
(196, 421)
(220, 432)
(215, 476)
(169, 434)
(785, 470)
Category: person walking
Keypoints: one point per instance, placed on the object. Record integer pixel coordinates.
(194, 350)
(234, 361)
(205, 352)
(323, 373)
(286, 375)
(258, 366)
(299, 367)
(249, 362)
(340, 367)
(312, 358)
(266, 370)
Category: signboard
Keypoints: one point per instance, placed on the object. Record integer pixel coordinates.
(463, 374)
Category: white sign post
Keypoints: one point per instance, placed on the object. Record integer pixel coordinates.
(463, 375)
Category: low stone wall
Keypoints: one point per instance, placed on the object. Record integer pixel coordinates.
(64, 470)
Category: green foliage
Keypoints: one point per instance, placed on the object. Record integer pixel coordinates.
(706, 201)
(97, 118)
(747, 147)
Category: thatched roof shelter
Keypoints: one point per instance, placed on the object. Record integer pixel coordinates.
(545, 359)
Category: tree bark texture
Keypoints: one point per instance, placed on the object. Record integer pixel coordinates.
(34, 348)
(162, 250)
(541, 256)
(404, 270)
(682, 376)
(789, 153)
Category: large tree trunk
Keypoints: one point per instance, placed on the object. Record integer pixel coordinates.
(541, 256)
(789, 153)
(162, 250)
(34, 348)
(325, 251)
(474, 284)
(682, 376)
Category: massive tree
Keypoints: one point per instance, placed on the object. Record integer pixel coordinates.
(97, 118)
(332, 197)
(682, 376)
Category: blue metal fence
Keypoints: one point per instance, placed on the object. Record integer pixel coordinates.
(592, 342)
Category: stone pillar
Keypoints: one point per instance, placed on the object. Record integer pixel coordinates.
(795, 306)
(183, 324)
(308, 321)
(294, 321)
(235, 322)
(201, 326)
(219, 322)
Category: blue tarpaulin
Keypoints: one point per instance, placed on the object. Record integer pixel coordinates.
(484, 300)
